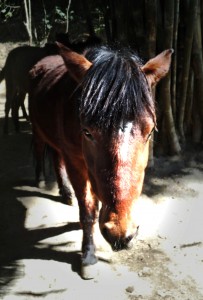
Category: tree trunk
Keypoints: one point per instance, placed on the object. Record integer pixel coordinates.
(174, 61)
(88, 17)
(67, 16)
(107, 20)
(189, 105)
(150, 17)
(128, 23)
(197, 63)
(165, 86)
(28, 17)
(197, 122)
(114, 17)
(151, 21)
(192, 13)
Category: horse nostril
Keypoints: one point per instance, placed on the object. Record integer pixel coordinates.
(118, 243)
(133, 235)
(129, 241)
(124, 243)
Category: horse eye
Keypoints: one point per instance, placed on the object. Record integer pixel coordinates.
(150, 135)
(87, 134)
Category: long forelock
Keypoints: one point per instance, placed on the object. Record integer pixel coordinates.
(114, 90)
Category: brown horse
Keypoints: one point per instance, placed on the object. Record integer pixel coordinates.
(97, 113)
(16, 72)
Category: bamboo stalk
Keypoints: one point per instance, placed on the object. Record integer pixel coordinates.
(28, 17)
(166, 83)
(88, 18)
(189, 103)
(150, 16)
(197, 122)
(197, 62)
(174, 61)
(67, 16)
(192, 13)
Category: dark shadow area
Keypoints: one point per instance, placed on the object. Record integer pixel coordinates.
(40, 193)
(17, 242)
(168, 167)
(25, 127)
(40, 294)
(162, 169)
(8, 273)
(14, 32)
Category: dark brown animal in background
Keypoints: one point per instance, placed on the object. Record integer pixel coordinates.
(16, 72)
(78, 46)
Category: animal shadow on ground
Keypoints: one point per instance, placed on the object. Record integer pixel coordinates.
(16, 241)
(170, 168)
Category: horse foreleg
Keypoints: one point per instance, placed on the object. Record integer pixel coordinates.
(62, 178)
(88, 216)
(7, 110)
(8, 104)
(39, 150)
(14, 112)
(88, 206)
(25, 115)
(22, 105)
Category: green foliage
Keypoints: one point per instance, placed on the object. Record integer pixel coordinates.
(59, 15)
(52, 17)
(71, 15)
(8, 11)
(99, 20)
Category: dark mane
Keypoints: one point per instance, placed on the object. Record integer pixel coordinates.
(115, 89)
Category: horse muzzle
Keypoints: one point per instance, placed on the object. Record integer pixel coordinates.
(120, 243)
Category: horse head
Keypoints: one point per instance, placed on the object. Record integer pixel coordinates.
(117, 118)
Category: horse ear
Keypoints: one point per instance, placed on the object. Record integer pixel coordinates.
(157, 67)
(77, 64)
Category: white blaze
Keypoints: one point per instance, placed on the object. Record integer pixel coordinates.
(125, 133)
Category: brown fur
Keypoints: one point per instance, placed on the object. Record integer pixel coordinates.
(101, 165)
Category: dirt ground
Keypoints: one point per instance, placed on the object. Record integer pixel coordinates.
(40, 238)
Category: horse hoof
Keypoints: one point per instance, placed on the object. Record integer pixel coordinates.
(41, 184)
(66, 196)
(70, 202)
(89, 271)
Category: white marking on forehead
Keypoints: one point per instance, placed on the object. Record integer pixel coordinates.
(124, 146)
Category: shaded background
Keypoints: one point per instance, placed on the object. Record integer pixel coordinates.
(149, 27)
